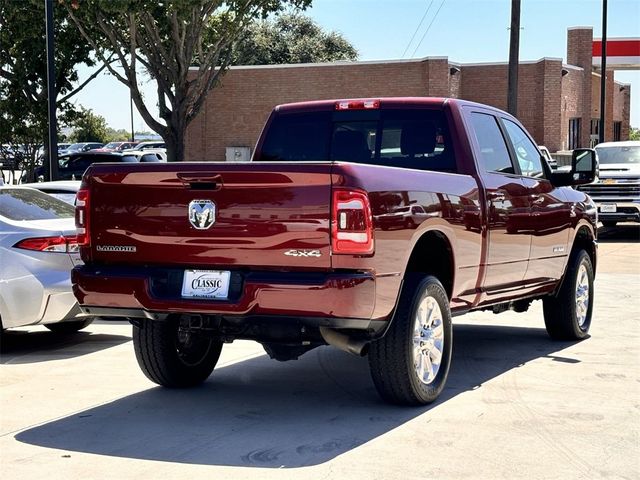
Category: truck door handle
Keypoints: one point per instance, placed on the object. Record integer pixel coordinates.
(201, 180)
(496, 196)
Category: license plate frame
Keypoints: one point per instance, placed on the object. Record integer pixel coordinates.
(608, 208)
(206, 284)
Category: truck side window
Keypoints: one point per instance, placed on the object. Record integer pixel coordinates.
(526, 152)
(494, 156)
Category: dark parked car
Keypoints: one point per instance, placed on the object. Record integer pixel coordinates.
(80, 147)
(73, 166)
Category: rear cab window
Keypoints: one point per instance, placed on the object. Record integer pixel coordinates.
(21, 204)
(409, 138)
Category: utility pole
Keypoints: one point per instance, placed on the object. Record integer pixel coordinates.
(51, 93)
(603, 71)
(514, 48)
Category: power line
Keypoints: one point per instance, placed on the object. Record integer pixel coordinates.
(417, 28)
(428, 28)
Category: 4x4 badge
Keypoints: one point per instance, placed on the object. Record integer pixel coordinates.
(202, 213)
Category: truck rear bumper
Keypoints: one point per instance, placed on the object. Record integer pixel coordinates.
(155, 292)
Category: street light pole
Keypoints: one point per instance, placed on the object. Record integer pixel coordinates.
(51, 93)
(603, 71)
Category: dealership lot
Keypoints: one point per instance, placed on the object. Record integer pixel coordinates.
(517, 405)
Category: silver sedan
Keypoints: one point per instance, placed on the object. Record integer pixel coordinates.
(38, 249)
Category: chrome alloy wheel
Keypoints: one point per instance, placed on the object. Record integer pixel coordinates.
(428, 340)
(582, 295)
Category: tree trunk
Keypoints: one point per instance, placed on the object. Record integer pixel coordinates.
(175, 145)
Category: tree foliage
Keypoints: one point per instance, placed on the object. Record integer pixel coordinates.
(291, 38)
(165, 39)
(89, 127)
(634, 133)
(23, 74)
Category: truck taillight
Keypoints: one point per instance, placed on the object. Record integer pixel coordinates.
(60, 244)
(358, 105)
(82, 217)
(351, 223)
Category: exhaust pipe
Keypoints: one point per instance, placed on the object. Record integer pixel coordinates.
(344, 343)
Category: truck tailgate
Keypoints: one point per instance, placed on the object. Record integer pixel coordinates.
(264, 214)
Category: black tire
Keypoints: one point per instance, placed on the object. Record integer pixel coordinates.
(172, 358)
(69, 327)
(561, 312)
(609, 223)
(391, 358)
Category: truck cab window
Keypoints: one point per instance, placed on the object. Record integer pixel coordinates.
(494, 156)
(297, 137)
(354, 141)
(526, 152)
(416, 139)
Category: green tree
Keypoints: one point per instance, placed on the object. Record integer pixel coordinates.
(23, 68)
(291, 38)
(89, 127)
(120, 135)
(634, 133)
(166, 39)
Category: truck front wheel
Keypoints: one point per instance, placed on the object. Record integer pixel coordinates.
(173, 356)
(410, 364)
(567, 315)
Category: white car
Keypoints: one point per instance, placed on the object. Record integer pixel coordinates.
(147, 155)
(61, 189)
(38, 249)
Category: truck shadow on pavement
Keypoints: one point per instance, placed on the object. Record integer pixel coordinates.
(623, 233)
(22, 347)
(262, 413)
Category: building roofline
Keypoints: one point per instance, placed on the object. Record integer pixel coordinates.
(572, 67)
(526, 62)
(339, 63)
(376, 62)
(581, 27)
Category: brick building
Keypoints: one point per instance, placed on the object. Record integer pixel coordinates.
(557, 102)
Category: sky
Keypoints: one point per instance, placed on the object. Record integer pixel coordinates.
(466, 31)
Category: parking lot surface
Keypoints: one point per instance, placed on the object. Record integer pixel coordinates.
(517, 405)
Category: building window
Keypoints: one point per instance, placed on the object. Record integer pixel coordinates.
(595, 126)
(574, 133)
(617, 131)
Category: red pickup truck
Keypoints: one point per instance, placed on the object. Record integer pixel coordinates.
(292, 250)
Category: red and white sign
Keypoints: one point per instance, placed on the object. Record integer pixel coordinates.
(622, 53)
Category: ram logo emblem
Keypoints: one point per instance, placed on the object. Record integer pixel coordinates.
(202, 213)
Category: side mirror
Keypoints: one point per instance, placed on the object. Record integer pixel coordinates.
(584, 169)
(584, 165)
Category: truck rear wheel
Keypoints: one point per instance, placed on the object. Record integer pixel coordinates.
(567, 315)
(410, 364)
(171, 355)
